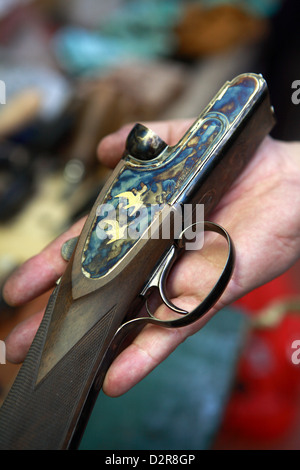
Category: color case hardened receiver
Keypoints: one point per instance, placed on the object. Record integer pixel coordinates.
(95, 304)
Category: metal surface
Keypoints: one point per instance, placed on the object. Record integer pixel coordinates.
(172, 177)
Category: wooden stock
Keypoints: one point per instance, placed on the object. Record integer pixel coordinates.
(66, 365)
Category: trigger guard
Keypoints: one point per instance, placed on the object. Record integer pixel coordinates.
(210, 300)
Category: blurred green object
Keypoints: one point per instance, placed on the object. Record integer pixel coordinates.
(180, 404)
(135, 31)
(146, 18)
(263, 8)
(83, 52)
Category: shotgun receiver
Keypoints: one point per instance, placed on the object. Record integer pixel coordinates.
(120, 257)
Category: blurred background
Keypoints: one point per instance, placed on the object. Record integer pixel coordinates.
(75, 71)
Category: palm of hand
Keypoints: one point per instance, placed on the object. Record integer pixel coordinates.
(261, 213)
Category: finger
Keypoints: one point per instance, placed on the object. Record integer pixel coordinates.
(182, 284)
(151, 347)
(39, 273)
(112, 146)
(20, 338)
(190, 281)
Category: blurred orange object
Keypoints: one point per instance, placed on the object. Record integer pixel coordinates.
(204, 31)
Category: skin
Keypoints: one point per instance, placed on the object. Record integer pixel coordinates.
(262, 214)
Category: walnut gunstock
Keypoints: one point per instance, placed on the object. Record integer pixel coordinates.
(111, 272)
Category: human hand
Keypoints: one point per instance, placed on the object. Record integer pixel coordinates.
(262, 214)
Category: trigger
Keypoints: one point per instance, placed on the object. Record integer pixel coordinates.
(159, 278)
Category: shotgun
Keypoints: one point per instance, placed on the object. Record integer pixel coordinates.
(121, 257)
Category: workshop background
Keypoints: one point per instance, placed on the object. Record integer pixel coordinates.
(75, 71)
